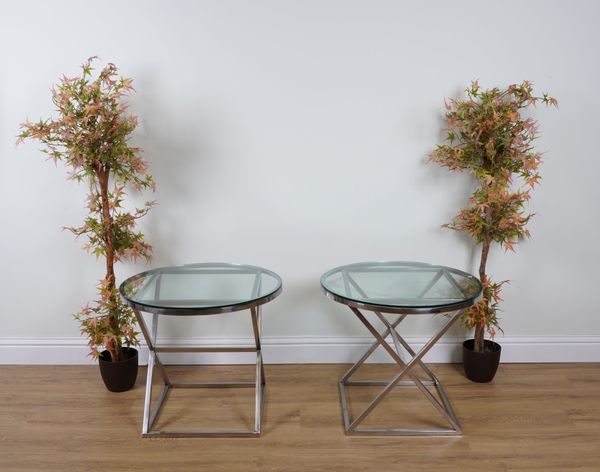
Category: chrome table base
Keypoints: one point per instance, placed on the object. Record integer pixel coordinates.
(351, 426)
(154, 361)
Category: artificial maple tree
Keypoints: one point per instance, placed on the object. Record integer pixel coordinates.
(90, 136)
(488, 136)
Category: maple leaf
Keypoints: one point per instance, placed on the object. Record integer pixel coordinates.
(509, 245)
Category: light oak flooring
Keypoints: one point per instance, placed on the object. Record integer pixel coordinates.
(532, 417)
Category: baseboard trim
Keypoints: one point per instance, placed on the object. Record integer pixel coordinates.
(306, 350)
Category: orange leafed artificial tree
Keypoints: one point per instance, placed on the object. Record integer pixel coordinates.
(488, 136)
(90, 136)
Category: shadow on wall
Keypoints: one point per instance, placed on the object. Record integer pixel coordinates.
(452, 189)
(181, 158)
(310, 311)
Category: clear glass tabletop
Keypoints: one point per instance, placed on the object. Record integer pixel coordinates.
(197, 289)
(401, 286)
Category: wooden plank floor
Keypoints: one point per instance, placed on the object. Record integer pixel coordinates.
(531, 418)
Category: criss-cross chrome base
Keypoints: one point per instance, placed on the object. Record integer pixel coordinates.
(351, 426)
(154, 361)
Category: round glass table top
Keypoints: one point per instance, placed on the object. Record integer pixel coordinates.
(404, 287)
(197, 289)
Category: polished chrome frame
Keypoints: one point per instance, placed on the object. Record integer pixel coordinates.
(150, 335)
(452, 310)
(406, 368)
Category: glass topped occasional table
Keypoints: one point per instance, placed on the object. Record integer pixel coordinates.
(398, 290)
(199, 289)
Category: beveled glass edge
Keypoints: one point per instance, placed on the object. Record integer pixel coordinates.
(210, 310)
(401, 309)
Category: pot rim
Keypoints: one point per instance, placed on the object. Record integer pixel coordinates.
(495, 347)
(131, 353)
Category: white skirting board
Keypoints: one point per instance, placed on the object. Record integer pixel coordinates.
(305, 350)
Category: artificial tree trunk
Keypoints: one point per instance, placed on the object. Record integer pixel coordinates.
(103, 174)
(480, 328)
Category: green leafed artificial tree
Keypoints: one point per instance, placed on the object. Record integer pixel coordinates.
(90, 136)
(488, 136)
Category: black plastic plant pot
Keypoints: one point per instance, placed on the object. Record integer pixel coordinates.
(119, 376)
(481, 366)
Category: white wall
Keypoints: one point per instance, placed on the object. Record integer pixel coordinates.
(293, 135)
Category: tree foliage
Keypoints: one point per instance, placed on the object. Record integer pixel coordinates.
(489, 137)
(90, 136)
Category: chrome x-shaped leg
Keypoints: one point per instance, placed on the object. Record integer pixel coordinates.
(444, 407)
(154, 361)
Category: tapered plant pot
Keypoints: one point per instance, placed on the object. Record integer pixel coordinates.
(481, 366)
(119, 376)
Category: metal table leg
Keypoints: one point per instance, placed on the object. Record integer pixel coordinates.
(444, 407)
(154, 361)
